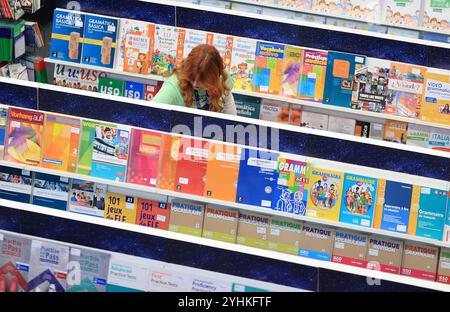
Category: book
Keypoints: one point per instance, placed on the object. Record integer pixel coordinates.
(358, 200)
(405, 89)
(362, 129)
(153, 213)
(395, 131)
(193, 38)
(14, 262)
(224, 161)
(291, 191)
(99, 42)
(87, 197)
(103, 150)
(151, 89)
(284, 235)
(134, 90)
(313, 71)
(136, 278)
(273, 110)
(384, 254)
(67, 35)
(443, 273)
(93, 274)
(350, 248)
(3, 122)
(436, 96)
(220, 224)
(292, 63)
(50, 191)
(242, 63)
(268, 71)
(247, 106)
(166, 45)
(418, 135)
(168, 162)
(260, 168)
(446, 237)
(368, 11)
(186, 217)
(252, 230)
(340, 73)
(314, 120)
(316, 242)
(295, 114)
(77, 78)
(376, 131)
(23, 142)
(420, 261)
(120, 207)
(325, 191)
(295, 4)
(15, 184)
(111, 86)
(169, 280)
(402, 12)
(61, 138)
(439, 139)
(341, 125)
(435, 15)
(224, 44)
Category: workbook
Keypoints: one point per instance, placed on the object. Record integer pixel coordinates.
(50, 191)
(15, 184)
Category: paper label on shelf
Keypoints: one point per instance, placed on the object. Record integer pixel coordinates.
(365, 222)
(75, 252)
(445, 265)
(153, 181)
(1, 237)
(401, 228)
(183, 181)
(359, 59)
(266, 203)
(425, 190)
(311, 213)
(161, 218)
(75, 130)
(64, 179)
(339, 245)
(36, 244)
(312, 75)
(275, 232)
(261, 230)
(373, 252)
(26, 172)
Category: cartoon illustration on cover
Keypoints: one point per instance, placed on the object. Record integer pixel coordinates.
(358, 198)
(324, 194)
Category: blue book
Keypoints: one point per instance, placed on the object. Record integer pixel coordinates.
(257, 178)
(358, 200)
(50, 191)
(67, 36)
(432, 212)
(396, 207)
(100, 40)
(340, 72)
(134, 90)
(15, 184)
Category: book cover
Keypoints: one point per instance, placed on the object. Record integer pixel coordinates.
(384, 254)
(252, 230)
(291, 191)
(87, 197)
(284, 235)
(316, 242)
(224, 161)
(193, 38)
(186, 217)
(314, 120)
(358, 200)
(127, 276)
(365, 10)
(376, 131)
(418, 135)
(446, 237)
(120, 207)
(443, 273)
(435, 15)
(402, 12)
(134, 90)
(312, 79)
(153, 213)
(220, 224)
(169, 280)
(362, 129)
(324, 200)
(395, 131)
(103, 150)
(50, 191)
(151, 89)
(273, 110)
(168, 162)
(242, 63)
(439, 139)
(67, 35)
(23, 142)
(268, 71)
(295, 4)
(61, 138)
(341, 125)
(99, 42)
(292, 63)
(247, 106)
(77, 78)
(295, 114)
(111, 86)
(436, 97)
(207, 284)
(166, 45)
(350, 248)
(224, 44)
(261, 169)
(14, 262)
(420, 261)
(15, 184)
(341, 68)
(3, 121)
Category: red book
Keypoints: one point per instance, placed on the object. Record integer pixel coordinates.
(153, 214)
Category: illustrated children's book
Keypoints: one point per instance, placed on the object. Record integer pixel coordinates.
(165, 53)
(220, 224)
(14, 262)
(3, 120)
(87, 198)
(50, 191)
(100, 34)
(350, 248)
(284, 235)
(325, 191)
(439, 139)
(420, 261)
(341, 68)
(224, 44)
(292, 64)
(402, 12)
(111, 86)
(247, 106)
(435, 15)
(316, 242)
(291, 190)
(395, 131)
(242, 63)
(312, 79)
(252, 230)
(193, 38)
(23, 142)
(341, 125)
(134, 90)
(314, 120)
(435, 106)
(93, 266)
(443, 274)
(153, 213)
(418, 135)
(60, 143)
(273, 110)
(67, 35)
(15, 184)
(120, 207)
(186, 217)
(268, 71)
(104, 150)
(295, 4)
(384, 254)
(126, 275)
(257, 178)
(358, 200)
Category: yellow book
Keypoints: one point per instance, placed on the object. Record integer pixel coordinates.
(121, 208)
(378, 213)
(436, 99)
(414, 212)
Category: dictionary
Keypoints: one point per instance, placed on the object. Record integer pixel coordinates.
(186, 217)
(252, 230)
(420, 261)
(316, 242)
(350, 248)
(443, 274)
(14, 261)
(384, 254)
(284, 235)
(220, 224)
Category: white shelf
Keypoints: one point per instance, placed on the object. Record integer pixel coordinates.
(227, 246)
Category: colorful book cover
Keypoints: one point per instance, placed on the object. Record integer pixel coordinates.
(341, 125)
(324, 200)
(284, 235)
(152, 213)
(122, 208)
(60, 143)
(50, 191)
(247, 106)
(3, 121)
(111, 86)
(358, 200)
(365, 10)
(67, 35)
(295, 114)
(194, 38)
(134, 90)
(439, 139)
(87, 198)
(312, 79)
(104, 150)
(151, 89)
(186, 217)
(316, 242)
(261, 169)
(93, 274)
(268, 71)
(224, 44)
(384, 254)
(273, 110)
(420, 261)
(402, 12)
(252, 230)
(127, 276)
(15, 184)
(341, 68)
(295, 4)
(435, 15)
(224, 161)
(242, 63)
(418, 135)
(166, 45)
(169, 280)
(395, 131)
(314, 120)
(23, 142)
(443, 274)
(220, 224)
(350, 248)
(99, 42)
(291, 191)
(145, 153)
(436, 99)
(292, 64)
(168, 162)
(77, 78)
(405, 89)
(14, 262)
(447, 221)
(362, 129)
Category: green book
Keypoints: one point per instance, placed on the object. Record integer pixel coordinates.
(111, 86)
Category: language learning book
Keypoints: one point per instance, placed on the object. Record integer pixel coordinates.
(384, 254)
(435, 15)
(103, 150)
(268, 71)
(3, 121)
(292, 63)
(316, 242)
(350, 248)
(15, 184)
(435, 105)
(220, 224)
(99, 42)
(247, 106)
(168, 162)
(259, 167)
(50, 191)
(61, 138)
(376, 131)
(136, 278)
(186, 217)
(111, 86)
(23, 142)
(439, 139)
(341, 125)
(420, 261)
(395, 131)
(242, 63)
(87, 197)
(446, 237)
(418, 135)
(153, 213)
(341, 68)
(252, 230)
(362, 129)
(291, 190)
(314, 120)
(284, 235)
(224, 44)
(325, 191)
(295, 4)
(443, 274)
(67, 35)
(358, 200)
(165, 50)
(312, 78)
(402, 12)
(151, 89)
(77, 78)
(14, 262)
(273, 110)
(134, 90)
(120, 207)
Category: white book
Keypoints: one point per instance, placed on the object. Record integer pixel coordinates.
(341, 125)
(314, 120)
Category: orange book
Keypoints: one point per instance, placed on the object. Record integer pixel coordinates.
(138, 48)
(414, 212)
(378, 213)
(395, 131)
(168, 162)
